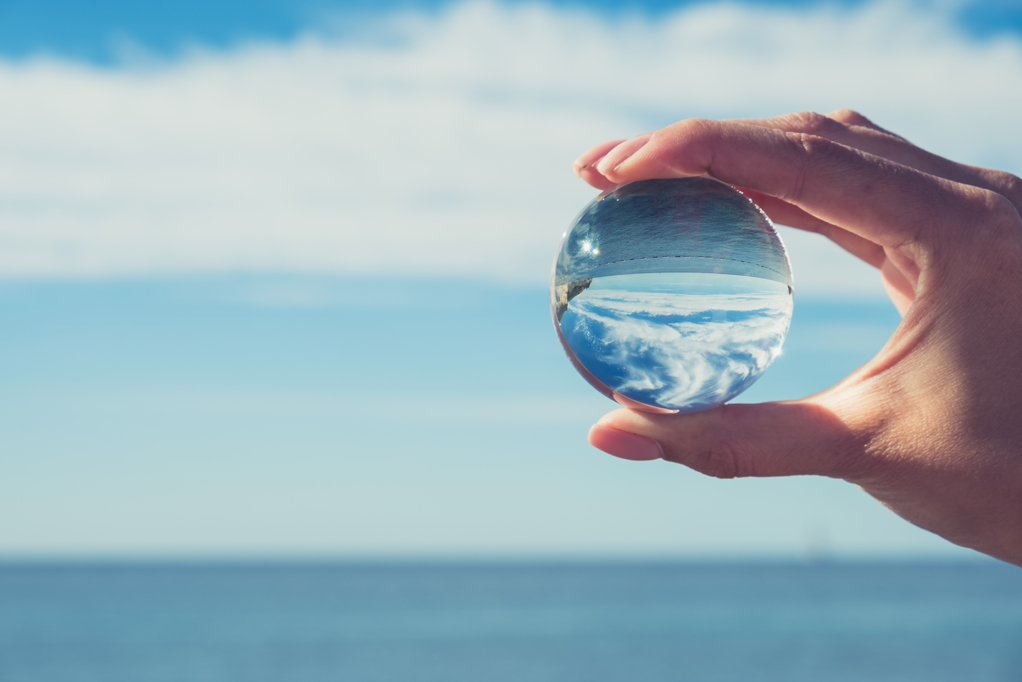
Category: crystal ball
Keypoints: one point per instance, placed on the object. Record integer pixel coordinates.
(671, 295)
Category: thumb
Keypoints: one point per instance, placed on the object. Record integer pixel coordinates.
(730, 441)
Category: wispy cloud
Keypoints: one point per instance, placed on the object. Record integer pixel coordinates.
(677, 351)
(445, 148)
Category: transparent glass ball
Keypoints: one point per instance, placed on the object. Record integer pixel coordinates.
(671, 295)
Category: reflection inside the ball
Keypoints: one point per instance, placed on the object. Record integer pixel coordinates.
(688, 303)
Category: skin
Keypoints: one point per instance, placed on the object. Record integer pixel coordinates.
(932, 426)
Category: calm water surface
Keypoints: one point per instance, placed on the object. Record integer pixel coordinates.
(510, 622)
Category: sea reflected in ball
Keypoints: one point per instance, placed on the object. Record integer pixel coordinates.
(671, 295)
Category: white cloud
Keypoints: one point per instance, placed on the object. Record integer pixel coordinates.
(685, 351)
(445, 149)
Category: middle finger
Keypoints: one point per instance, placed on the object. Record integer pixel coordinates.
(855, 130)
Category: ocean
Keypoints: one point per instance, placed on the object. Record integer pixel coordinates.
(496, 622)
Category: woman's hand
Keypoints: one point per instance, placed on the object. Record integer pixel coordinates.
(932, 426)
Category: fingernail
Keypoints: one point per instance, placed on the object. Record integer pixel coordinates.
(621, 153)
(578, 168)
(624, 445)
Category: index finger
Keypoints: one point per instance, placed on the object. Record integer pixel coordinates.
(885, 202)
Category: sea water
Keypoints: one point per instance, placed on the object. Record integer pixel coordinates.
(504, 622)
(671, 294)
(680, 341)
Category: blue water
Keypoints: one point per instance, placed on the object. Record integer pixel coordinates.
(691, 225)
(511, 622)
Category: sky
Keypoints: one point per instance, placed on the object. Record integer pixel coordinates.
(273, 274)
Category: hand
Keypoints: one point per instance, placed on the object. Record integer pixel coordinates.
(932, 426)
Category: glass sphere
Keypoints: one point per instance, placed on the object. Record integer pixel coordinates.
(671, 295)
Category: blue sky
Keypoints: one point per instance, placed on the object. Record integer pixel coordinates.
(272, 275)
(90, 31)
(185, 415)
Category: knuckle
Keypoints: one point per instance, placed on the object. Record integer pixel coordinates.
(694, 140)
(812, 122)
(810, 144)
(1012, 182)
(721, 460)
(1010, 186)
(1001, 212)
(692, 127)
(850, 117)
(1007, 226)
(810, 150)
(990, 230)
